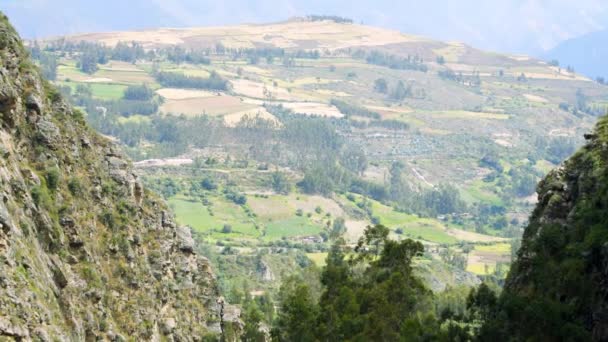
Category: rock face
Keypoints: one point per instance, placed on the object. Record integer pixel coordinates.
(558, 287)
(86, 253)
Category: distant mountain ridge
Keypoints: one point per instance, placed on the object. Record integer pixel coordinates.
(586, 54)
(519, 26)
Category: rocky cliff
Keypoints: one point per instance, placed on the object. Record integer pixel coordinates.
(558, 287)
(86, 253)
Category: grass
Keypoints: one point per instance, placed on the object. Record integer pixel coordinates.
(413, 226)
(317, 258)
(194, 214)
(291, 227)
(108, 91)
(499, 248)
(275, 207)
(465, 114)
(104, 91)
(481, 268)
(125, 76)
(476, 192)
(134, 118)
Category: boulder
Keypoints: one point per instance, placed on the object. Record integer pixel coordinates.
(6, 223)
(168, 325)
(33, 102)
(48, 134)
(185, 242)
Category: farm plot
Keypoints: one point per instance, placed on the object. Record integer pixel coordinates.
(214, 105)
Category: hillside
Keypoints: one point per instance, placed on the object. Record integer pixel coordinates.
(561, 266)
(87, 253)
(272, 141)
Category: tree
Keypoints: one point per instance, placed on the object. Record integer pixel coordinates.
(371, 244)
(381, 86)
(138, 92)
(297, 317)
(338, 228)
(399, 190)
(372, 296)
(581, 100)
(482, 301)
(279, 183)
(401, 91)
(252, 318)
(88, 62)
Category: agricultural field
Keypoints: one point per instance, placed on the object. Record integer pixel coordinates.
(471, 128)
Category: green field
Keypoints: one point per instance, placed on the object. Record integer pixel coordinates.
(292, 227)
(104, 91)
(317, 258)
(477, 192)
(413, 226)
(197, 216)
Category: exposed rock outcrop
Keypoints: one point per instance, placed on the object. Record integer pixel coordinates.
(86, 253)
(557, 289)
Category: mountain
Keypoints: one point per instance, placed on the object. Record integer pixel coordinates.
(533, 25)
(86, 251)
(587, 54)
(557, 289)
(270, 138)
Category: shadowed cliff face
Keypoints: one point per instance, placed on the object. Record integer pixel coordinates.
(85, 251)
(558, 287)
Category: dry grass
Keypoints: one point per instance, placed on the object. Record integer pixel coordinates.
(465, 114)
(472, 237)
(355, 229)
(292, 34)
(451, 52)
(314, 108)
(216, 106)
(535, 98)
(233, 119)
(260, 90)
(333, 93)
(182, 94)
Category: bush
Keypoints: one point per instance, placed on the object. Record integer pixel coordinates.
(75, 186)
(138, 92)
(41, 197)
(227, 229)
(172, 79)
(52, 178)
(208, 184)
(237, 198)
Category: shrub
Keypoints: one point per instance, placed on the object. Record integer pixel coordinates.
(75, 186)
(41, 197)
(52, 178)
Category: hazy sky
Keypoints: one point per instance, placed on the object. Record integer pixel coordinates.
(529, 26)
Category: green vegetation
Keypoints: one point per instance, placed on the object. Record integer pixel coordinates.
(177, 80)
(384, 302)
(556, 277)
(446, 154)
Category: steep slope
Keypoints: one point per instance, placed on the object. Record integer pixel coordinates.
(558, 287)
(85, 252)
